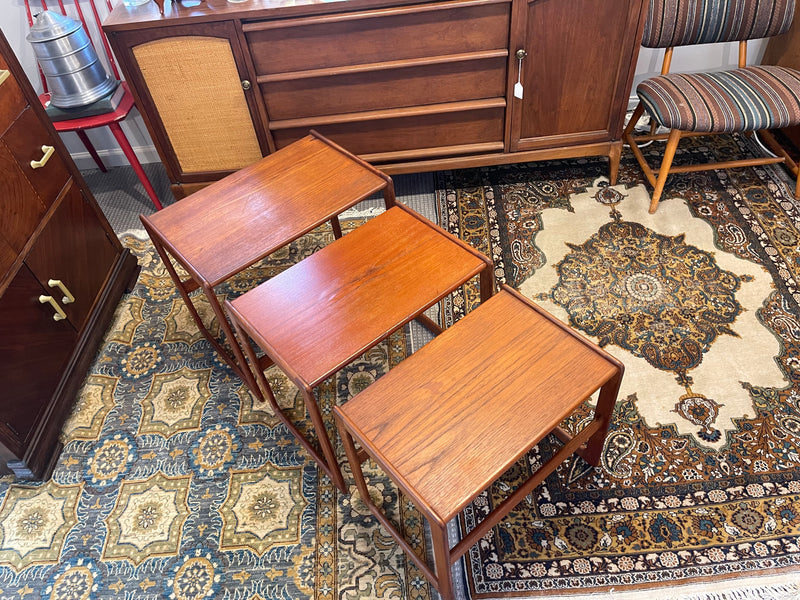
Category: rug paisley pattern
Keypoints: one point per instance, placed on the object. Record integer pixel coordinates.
(174, 483)
(700, 474)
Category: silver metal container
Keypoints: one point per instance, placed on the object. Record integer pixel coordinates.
(74, 73)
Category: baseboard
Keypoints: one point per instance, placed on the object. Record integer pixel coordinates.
(115, 158)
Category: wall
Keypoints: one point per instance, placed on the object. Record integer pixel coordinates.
(13, 22)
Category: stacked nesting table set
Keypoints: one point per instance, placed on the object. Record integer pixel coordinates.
(450, 419)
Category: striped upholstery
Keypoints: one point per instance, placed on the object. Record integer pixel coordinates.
(745, 99)
(683, 22)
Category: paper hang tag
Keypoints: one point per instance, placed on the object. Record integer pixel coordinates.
(518, 85)
(518, 90)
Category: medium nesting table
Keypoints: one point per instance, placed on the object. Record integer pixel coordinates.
(449, 420)
(325, 311)
(230, 225)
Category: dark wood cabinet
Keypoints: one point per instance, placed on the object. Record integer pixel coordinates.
(576, 54)
(62, 271)
(409, 86)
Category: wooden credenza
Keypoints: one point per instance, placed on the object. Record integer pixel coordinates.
(409, 86)
(62, 271)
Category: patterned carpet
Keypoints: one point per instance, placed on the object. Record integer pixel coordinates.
(700, 477)
(174, 484)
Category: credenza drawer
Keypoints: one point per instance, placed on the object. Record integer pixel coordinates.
(463, 78)
(12, 102)
(407, 133)
(375, 36)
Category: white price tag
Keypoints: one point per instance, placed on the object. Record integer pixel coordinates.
(518, 85)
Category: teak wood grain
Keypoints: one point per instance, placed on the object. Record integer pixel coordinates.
(237, 221)
(453, 417)
(449, 422)
(326, 310)
(406, 84)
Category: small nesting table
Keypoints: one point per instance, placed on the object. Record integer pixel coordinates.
(230, 225)
(452, 418)
(325, 311)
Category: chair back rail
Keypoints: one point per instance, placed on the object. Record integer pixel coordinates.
(689, 22)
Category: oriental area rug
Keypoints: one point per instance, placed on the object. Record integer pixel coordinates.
(174, 483)
(700, 474)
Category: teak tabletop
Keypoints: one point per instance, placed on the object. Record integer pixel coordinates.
(323, 312)
(448, 421)
(237, 221)
(225, 228)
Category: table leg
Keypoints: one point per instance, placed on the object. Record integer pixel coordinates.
(441, 554)
(602, 413)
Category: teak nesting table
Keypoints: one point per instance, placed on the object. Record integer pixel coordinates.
(325, 311)
(230, 225)
(449, 420)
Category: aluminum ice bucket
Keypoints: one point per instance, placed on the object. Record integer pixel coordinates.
(74, 73)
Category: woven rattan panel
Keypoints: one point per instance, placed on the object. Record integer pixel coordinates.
(197, 91)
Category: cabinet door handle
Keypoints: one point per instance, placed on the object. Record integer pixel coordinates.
(48, 152)
(60, 314)
(245, 84)
(4, 74)
(68, 297)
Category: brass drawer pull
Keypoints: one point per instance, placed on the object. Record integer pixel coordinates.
(60, 314)
(68, 297)
(48, 152)
(4, 74)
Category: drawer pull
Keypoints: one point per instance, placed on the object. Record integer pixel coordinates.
(60, 314)
(68, 297)
(4, 74)
(48, 152)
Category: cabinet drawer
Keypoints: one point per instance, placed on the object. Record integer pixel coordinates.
(12, 102)
(407, 133)
(27, 139)
(376, 36)
(34, 350)
(73, 248)
(461, 78)
(20, 215)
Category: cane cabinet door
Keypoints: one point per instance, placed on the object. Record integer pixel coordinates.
(576, 62)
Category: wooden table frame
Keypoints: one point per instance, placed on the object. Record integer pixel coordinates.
(223, 229)
(391, 409)
(324, 312)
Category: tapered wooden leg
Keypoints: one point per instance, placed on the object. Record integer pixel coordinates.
(329, 464)
(441, 554)
(487, 281)
(663, 171)
(614, 156)
(603, 413)
(637, 114)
